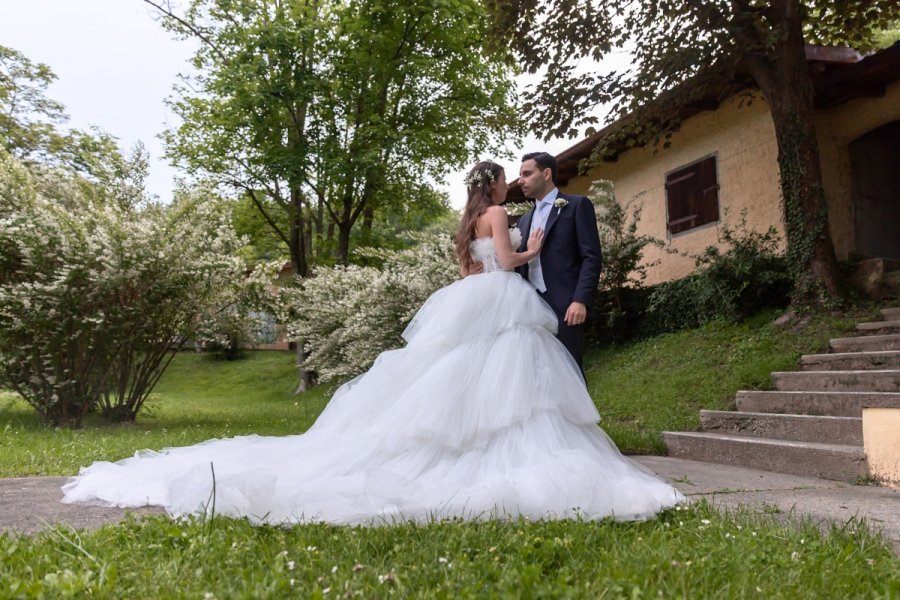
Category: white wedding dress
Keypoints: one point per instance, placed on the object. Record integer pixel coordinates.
(483, 414)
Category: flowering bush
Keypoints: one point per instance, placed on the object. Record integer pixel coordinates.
(96, 295)
(624, 267)
(347, 316)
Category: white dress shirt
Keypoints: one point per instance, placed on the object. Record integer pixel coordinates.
(539, 221)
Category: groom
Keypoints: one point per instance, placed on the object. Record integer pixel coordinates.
(567, 271)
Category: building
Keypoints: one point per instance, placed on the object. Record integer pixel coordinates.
(723, 160)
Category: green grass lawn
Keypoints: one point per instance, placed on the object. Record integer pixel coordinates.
(640, 388)
(689, 553)
(199, 397)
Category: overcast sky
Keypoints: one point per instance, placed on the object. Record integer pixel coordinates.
(115, 65)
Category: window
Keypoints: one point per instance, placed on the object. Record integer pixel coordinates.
(266, 330)
(692, 195)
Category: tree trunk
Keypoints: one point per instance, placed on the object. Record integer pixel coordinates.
(368, 220)
(300, 266)
(320, 226)
(343, 250)
(304, 376)
(787, 87)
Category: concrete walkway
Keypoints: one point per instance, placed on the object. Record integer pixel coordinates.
(29, 504)
(822, 500)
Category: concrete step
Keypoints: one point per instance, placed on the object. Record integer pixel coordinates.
(837, 404)
(891, 313)
(879, 328)
(829, 461)
(837, 381)
(801, 428)
(866, 343)
(851, 361)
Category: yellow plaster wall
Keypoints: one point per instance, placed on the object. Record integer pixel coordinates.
(743, 141)
(742, 137)
(881, 440)
(836, 128)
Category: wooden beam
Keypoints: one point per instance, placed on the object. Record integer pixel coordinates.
(832, 54)
(839, 94)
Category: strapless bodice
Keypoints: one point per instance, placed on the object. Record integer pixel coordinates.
(484, 251)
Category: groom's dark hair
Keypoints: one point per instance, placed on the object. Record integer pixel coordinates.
(543, 161)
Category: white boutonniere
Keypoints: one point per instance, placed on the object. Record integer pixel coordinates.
(560, 203)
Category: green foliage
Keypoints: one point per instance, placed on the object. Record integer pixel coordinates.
(402, 210)
(31, 130)
(805, 228)
(749, 275)
(705, 43)
(323, 113)
(688, 54)
(623, 252)
(865, 26)
(94, 294)
(28, 118)
(347, 316)
(263, 242)
(691, 552)
(888, 36)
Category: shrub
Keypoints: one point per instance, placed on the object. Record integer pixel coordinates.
(748, 276)
(346, 316)
(624, 269)
(95, 295)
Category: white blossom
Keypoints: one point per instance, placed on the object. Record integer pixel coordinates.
(87, 273)
(346, 316)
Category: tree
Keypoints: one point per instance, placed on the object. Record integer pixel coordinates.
(263, 242)
(320, 108)
(709, 44)
(28, 118)
(31, 129)
(325, 106)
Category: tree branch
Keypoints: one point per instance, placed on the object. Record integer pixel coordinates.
(258, 203)
(167, 12)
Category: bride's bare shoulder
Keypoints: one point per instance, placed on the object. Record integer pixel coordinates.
(489, 218)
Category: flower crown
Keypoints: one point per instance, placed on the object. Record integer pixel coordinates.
(479, 177)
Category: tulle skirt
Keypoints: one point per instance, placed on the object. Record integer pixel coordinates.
(483, 414)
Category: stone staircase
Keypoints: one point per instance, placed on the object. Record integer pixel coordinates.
(811, 424)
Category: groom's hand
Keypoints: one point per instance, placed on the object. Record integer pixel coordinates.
(576, 314)
(476, 268)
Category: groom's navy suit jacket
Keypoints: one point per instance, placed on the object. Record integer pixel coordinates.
(570, 257)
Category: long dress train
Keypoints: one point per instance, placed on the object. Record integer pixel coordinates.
(482, 414)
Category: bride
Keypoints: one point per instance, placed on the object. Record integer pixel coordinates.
(483, 414)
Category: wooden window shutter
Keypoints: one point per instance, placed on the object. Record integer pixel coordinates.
(692, 195)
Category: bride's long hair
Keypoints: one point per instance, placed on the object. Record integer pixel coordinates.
(480, 187)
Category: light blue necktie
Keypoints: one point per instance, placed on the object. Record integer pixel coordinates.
(535, 273)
